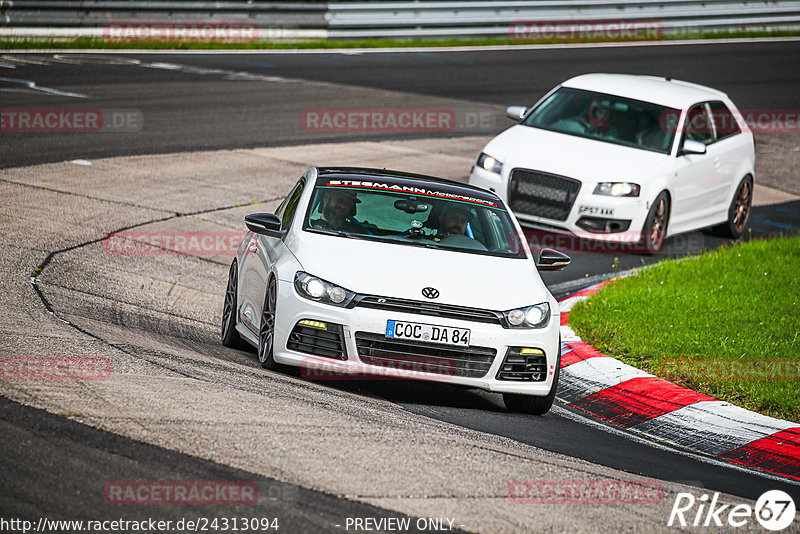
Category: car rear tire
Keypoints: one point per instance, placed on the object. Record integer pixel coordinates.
(655, 226)
(229, 336)
(531, 404)
(738, 211)
(266, 331)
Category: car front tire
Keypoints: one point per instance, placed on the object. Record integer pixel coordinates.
(266, 332)
(531, 404)
(738, 211)
(229, 336)
(655, 225)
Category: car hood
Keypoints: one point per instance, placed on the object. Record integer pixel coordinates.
(393, 270)
(586, 160)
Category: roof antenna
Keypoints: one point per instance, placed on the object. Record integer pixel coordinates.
(668, 78)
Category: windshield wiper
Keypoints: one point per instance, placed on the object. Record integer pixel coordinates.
(340, 233)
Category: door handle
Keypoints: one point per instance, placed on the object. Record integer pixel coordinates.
(716, 162)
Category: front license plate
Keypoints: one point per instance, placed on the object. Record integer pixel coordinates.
(427, 332)
(593, 210)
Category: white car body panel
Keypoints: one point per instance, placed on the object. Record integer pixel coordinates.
(700, 186)
(461, 281)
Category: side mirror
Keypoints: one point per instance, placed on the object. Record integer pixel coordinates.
(264, 223)
(692, 147)
(515, 112)
(552, 260)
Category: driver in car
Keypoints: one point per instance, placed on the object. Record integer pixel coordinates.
(601, 119)
(337, 207)
(453, 220)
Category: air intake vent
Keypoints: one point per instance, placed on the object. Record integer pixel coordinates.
(524, 365)
(318, 338)
(473, 362)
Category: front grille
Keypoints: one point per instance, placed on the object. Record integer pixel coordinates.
(529, 367)
(450, 360)
(327, 342)
(541, 194)
(432, 309)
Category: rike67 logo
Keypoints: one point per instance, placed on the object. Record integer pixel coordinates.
(774, 510)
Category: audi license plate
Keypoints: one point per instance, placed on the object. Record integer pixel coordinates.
(427, 332)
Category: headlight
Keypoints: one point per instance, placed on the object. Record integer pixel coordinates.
(314, 288)
(617, 189)
(488, 163)
(531, 317)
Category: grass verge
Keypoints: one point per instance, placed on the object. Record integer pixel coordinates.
(725, 323)
(23, 43)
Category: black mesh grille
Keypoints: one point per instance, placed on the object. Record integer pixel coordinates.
(541, 194)
(472, 362)
(523, 367)
(432, 309)
(311, 340)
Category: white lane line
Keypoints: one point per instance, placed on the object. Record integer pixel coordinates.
(231, 75)
(31, 87)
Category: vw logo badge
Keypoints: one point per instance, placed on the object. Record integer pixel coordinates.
(430, 293)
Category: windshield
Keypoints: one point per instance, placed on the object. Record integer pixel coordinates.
(613, 119)
(431, 215)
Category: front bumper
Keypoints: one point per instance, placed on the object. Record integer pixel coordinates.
(292, 309)
(593, 217)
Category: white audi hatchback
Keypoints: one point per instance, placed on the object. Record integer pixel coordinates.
(624, 158)
(379, 274)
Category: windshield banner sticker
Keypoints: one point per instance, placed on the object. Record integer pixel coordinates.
(409, 189)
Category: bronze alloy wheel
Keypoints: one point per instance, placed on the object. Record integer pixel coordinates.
(738, 211)
(741, 205)
(655, 226)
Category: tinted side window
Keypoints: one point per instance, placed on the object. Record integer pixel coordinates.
(724, 120)
(698, 125)
(288, 208)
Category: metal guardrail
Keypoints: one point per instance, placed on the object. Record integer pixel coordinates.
(407, 19)
(98, 13)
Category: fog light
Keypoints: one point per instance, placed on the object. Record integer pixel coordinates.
(313, 324)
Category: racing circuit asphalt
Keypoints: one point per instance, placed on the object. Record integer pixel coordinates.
(199, 102)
